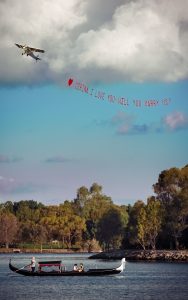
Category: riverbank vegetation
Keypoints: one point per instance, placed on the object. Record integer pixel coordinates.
(92, 221)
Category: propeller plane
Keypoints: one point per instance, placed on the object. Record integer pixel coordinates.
(30, 51)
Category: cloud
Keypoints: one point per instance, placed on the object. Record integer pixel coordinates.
(176, 120)
(125, 123)
(57, 159)
(8, 159)
(122, 121)
(137, 40)
(141, 42)
(128, 124)
(42, 24)
(10, 185)
(140, 129)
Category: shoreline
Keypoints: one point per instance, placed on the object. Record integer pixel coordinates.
(130, 255)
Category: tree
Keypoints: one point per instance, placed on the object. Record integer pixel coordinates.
(172, 192)
(8, 228)
(91, 205)
(94, 209)
(154, 220)
(39, 234)
(27, 210)
(110, 229)
(79, 202)
(63, 224)
(130, 238)
(7, 206)
(142, 235)
(149, 223)
(95, 189)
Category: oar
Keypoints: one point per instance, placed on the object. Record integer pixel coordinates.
(22, 268)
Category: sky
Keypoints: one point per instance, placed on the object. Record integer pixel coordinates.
(107, 103)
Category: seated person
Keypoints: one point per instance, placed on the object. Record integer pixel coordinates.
(81, 268)
(75, 267)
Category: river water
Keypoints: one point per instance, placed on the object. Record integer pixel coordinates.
(140, 280)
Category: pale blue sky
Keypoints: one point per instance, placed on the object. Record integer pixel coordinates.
(56, 138)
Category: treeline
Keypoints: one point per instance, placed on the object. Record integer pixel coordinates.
(92, 221)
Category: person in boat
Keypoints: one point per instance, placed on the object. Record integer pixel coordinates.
(75, 268)
(81, 268)
(33, 264)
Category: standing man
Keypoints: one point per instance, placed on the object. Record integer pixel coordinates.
(33, 264)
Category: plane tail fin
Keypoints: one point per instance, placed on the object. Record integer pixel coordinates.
(37, 58)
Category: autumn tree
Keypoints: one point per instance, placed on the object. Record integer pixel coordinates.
(8, 228)
(7, 207)
(63, 224)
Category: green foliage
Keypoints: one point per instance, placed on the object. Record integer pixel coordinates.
(82, 196)
(111, 227)
(92, 219)
(172, 192)
(95, 189)
(149, 223)
(131, 234)
(63, 224)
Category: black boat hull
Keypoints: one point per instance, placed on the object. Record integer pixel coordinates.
(90, 272)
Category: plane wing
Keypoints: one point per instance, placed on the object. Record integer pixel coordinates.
(30, 48)
(36, 50)
(19, 46)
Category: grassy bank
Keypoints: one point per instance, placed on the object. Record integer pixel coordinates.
(36, 250)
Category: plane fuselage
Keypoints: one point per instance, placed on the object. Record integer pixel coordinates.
(27, 51)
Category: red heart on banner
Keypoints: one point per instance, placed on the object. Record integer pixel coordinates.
(70, 81)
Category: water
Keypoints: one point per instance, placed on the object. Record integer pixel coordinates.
(139, 281)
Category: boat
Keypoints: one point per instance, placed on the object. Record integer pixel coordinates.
(61, 270)
(16, 250)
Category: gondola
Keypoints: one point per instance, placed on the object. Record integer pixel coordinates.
(63, 272)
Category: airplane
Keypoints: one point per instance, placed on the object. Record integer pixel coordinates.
(29, 51)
